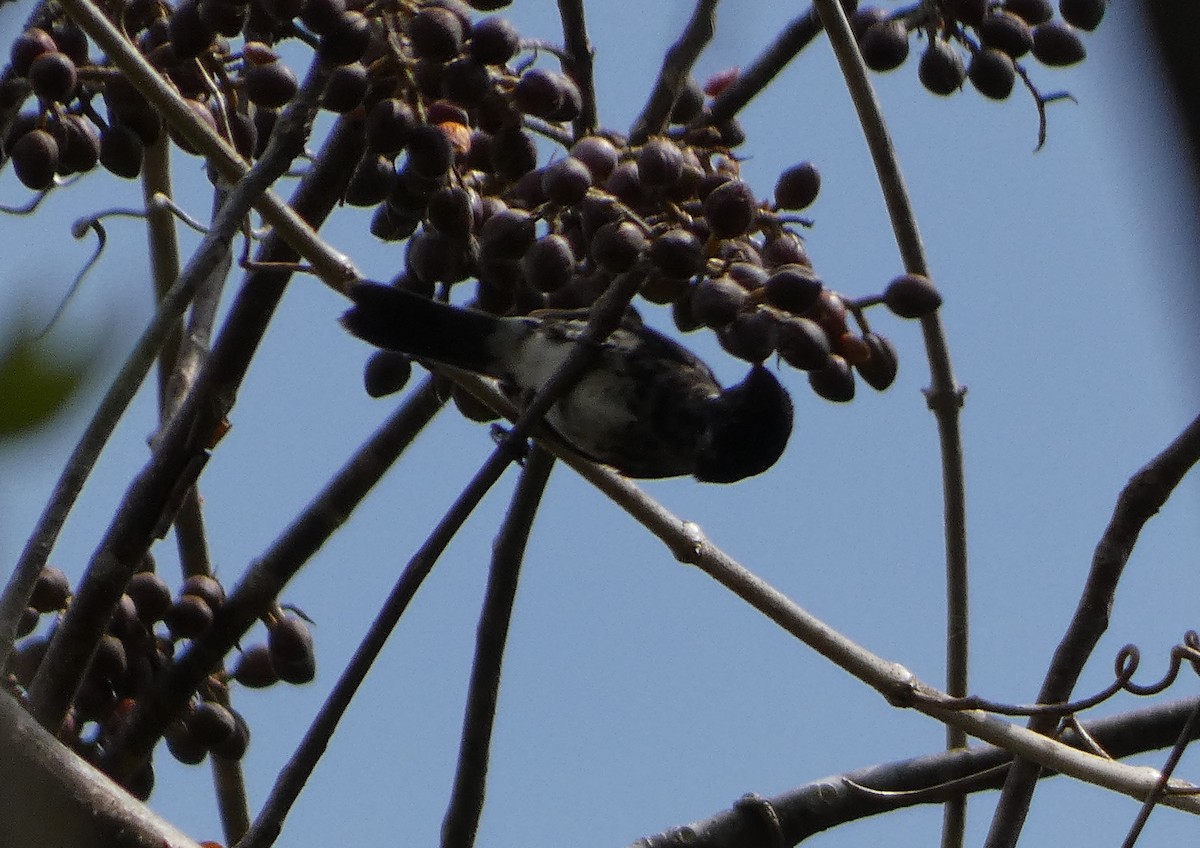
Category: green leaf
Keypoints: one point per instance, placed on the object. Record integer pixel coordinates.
(36, 383)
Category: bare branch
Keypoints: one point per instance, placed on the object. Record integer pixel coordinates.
(50, 796)
(826, 803)
(677, 64)
(1139, 501)
(470, 779)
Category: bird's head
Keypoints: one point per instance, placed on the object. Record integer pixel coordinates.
(749, 428)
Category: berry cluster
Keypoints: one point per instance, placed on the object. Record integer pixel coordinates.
(137, 649)
(991, 35)
(449, 106)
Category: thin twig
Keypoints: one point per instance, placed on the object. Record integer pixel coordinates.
(582, 55)
(797, 34)
(1186, 735)
(164, 246)
(677, 64)
(182, 450)
(944, 397)
(334, 267)
(1139, 501)
(470, 778)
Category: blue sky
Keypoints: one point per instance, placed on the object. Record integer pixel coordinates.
(638, 694)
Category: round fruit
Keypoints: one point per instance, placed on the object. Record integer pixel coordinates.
(912, 296)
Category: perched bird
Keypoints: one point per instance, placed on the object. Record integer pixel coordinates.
(648, 407)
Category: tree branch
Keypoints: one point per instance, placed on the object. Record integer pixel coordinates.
(1142, 497)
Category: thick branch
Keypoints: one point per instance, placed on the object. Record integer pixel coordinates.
(836, 800)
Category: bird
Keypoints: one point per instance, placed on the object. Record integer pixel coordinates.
(647, 407)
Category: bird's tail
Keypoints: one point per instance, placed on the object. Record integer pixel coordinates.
(400, 320)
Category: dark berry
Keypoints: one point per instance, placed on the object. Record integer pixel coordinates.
(121, 151)
(1057, 45)
(879, 369)
(27, 658)
(797, 187)
(371, 182)
(598, 154)
(451, 210)
(210, 723)
(802, 343)
(436, 33)
(717, 300)
(271, 85)
(151, 596)
(110, 662)
(253, 667)
(183, 744)
(386, 372)
(539, 92)
(1006, 32)
(321, 16)
(616, 246)
(679, 254)
(206, 587)
(389, 123)
(493, 41)
(28, 46)
(864, 18)
(941, 68)
(549, 263)
(885, 45)
(72, 40)
(689, 103)
(28, 622)
(291, 645)
(190, 35)
(912, 296)
(233, 746)
(35, 158)
(513, 154)
(751, 336)
(392, 225)
(435, 258)
(224, 17)
(572, 101)
(834, 381)
(793, 288)
(188, 617)
(625, 184)
(730, 209)
(1085, 14)
(970, 12)
(784, 248)
(466, 82)
(51, 590)
(430, 153)
(53, 77)
(992, 73)
(507, 234)
(1033, 12)
(345, 89)
(346, 39)
(566, 181)
(660, 163)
